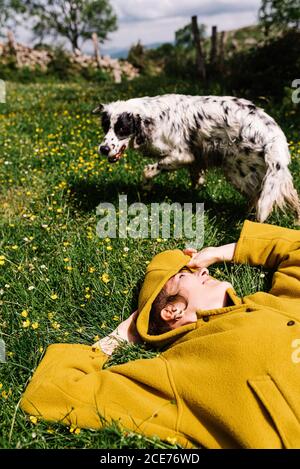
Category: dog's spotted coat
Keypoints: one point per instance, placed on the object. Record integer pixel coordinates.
(203, 131)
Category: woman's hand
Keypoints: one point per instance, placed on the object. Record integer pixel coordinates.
(126, 331)
(210, 255)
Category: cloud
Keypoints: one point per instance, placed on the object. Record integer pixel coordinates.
(138, 10)
(163, 29)
(154, 21)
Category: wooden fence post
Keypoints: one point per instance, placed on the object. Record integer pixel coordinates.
(96, 49)
(214, 47)
(200, 62)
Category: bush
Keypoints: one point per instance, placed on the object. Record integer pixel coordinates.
(266, 70)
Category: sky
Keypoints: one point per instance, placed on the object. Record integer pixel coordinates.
(152, 21)
(157, 20)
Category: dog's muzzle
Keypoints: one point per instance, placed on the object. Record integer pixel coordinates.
(105, 150)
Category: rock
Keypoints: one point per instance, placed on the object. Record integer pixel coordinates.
(31, 58)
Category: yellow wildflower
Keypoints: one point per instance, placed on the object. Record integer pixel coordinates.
(24, 313)
(26, 323)
(105, 278)
(35, 325)
(172, 440)
(54, 296)
(33, 419)
(74, 429)
(55, 325)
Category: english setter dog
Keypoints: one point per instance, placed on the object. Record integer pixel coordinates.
(202, 131)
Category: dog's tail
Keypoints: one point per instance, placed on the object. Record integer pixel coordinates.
(277, 186)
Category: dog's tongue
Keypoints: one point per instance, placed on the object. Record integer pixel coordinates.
(115, 158)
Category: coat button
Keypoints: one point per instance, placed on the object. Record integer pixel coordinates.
(290, 323)
(205, 318)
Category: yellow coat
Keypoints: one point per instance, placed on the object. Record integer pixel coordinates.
(230, 380)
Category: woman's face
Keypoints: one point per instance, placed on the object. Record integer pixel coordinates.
(201, 291)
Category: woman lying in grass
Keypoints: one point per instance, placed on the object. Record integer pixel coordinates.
(228, 375)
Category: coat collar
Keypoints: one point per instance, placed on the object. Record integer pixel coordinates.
(235, 301)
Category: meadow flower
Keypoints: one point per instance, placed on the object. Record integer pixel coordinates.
(24, 313)
(33, 419)
(54, 296)
(55, 325)
(26, 323)
(105, 278)
(75, 430)
(91, 270)
(35, 325)
(31, 287)
(2, 260)
(171, 440)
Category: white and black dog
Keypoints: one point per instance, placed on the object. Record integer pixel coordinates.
(203, 131)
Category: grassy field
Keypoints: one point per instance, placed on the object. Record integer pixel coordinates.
(59, 282)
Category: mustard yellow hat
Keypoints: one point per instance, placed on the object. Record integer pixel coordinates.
(162, 267)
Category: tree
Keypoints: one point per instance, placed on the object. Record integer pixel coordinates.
(72, 19)
(8, 10)
(282, 13)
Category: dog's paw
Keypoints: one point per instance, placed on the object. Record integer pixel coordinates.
(200, 182)
(150, 171)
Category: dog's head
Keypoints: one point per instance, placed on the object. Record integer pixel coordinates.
(121, 127)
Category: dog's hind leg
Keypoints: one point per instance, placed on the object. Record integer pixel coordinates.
(197, 176)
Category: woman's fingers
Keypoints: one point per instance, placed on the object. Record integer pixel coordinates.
(189, 251)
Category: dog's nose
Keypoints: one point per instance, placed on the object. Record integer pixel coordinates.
(104, 150)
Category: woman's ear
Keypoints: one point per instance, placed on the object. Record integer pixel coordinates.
(172, 312)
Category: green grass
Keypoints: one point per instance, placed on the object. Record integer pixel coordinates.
(51, 181)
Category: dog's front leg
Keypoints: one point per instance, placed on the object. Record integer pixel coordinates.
(150, 171)
(169, 163)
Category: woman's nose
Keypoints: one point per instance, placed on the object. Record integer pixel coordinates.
(203, 272)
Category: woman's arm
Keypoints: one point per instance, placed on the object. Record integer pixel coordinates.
(270, 246)
(126, 331)
(210, 255)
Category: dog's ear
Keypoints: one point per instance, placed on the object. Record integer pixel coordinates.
(99, 109)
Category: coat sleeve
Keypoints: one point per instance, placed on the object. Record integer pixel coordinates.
(275, 248)
(71, 386)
